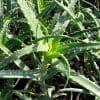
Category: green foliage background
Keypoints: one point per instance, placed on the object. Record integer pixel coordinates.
(42, 39)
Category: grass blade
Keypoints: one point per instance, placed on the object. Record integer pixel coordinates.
(1, 14)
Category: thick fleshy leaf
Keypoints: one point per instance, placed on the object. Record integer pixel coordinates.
(30, 15)
(80, 79)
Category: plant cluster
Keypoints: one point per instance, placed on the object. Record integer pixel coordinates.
(49, 50)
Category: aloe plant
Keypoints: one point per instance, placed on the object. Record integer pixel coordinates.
(45, 39)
